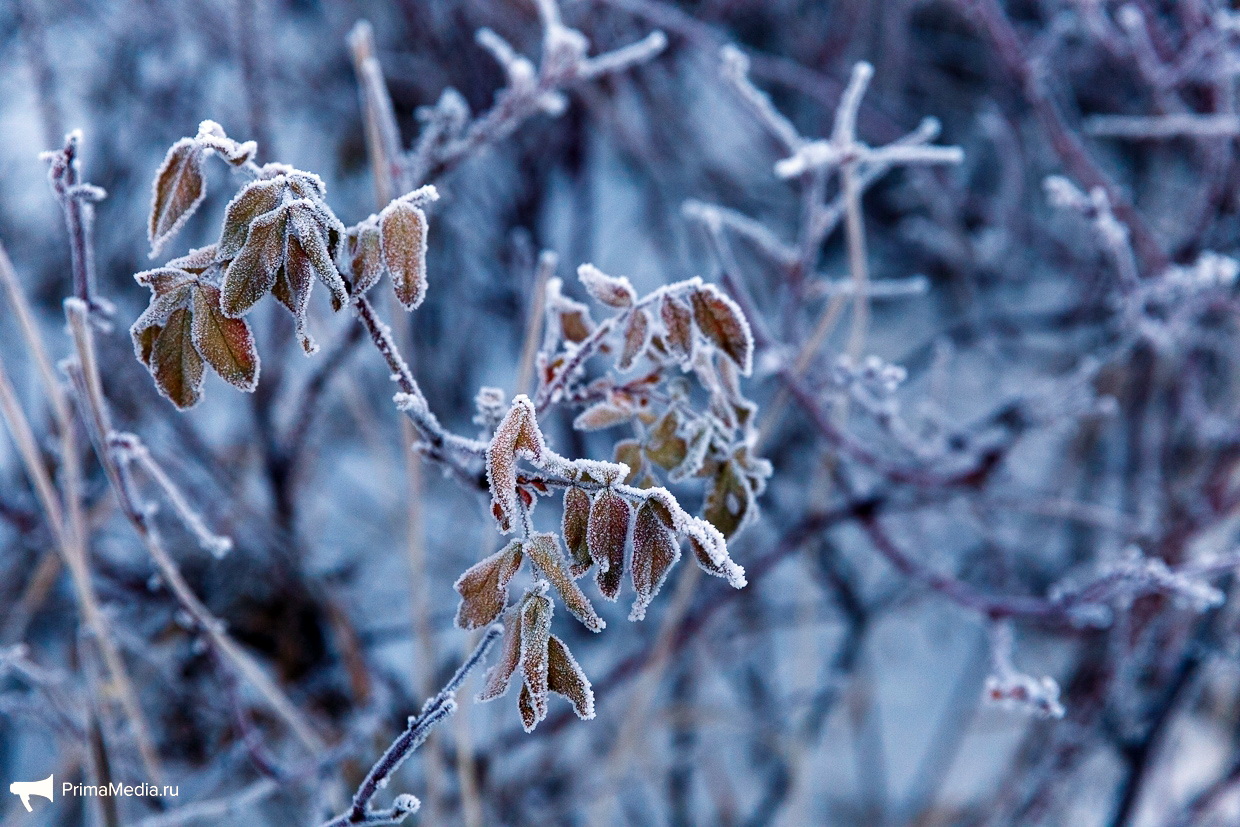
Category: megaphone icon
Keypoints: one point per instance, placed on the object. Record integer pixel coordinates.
(25, 789)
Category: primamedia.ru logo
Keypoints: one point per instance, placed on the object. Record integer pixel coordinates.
(46, 788)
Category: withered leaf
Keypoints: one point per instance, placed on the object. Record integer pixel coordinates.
(728, 501)
(613, 291)
(575, 324)
(175, 363)
(536, 611)
(636, 335)
(255, 198)
(310, 227)
(664, 446)
(292, 288)
(498, 676)
(678, 324)
(629, 451)
(722, 322)
(529, 713)
(178, 190)
(226, 344)
(655, 551)
(576, 518)
(252, 274)
(545, 553)
(602, 415)
(484, 587)
(607, 534)
(517, 434)
(365, 258)
(711, 551)
(195, 261)
(402, 230)
(565, 677)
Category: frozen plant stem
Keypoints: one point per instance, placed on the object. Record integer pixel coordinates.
(84, 371)
(433, 711)
(64, 509)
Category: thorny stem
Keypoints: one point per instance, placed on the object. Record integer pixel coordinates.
(84, 371)
(433, 711)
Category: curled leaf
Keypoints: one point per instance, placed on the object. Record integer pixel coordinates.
(498, 676)
(722, 322)
(402, 230)
(310, 227)
(365, 258)
(536, 611)
(179, 189)
(517, 434)
(546, 556)
(565, 677)
(613, 291)
(711, 551)
(607, 535)
(655, 551)
(484, 587)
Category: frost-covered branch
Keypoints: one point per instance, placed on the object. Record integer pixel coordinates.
(419, 728)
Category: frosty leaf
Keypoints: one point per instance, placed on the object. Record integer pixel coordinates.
(254, 199)
(729, 500)
(678, 323)
(629, 451)
(309, 227)
(607, 533)
(498, 676)
(565, 677)
(613, 291)
(178, 191)
(636, 335)
(365, 259)
(536, 611)
(545, 554)
(711, 551)
(402, 229)
(576, 518)
(664, 446)
(655, 551)
(212, 136)
(164, 280)
(195, 261)
(175, 363)
(484, 587)
(173, 295)
(226, 344)
(517, 434)
(252, 274)
(602, 415)
(292, 288)
(576, 325)
(721, 321)
(695, 453)
(570, 317)
(529, 715)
